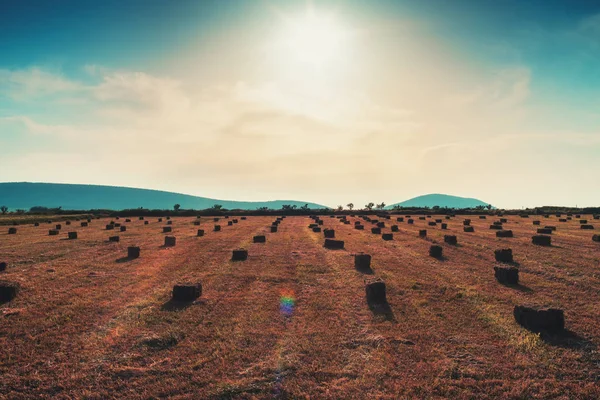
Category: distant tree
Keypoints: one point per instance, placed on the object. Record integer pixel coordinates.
(480, 208)
(217, 207)
(20, 211)
(288, 207)
(304, 207)
(436, 208)
(262, 208)
(339, 208)
(176, 207)
(4, 209)
(489, 206)
(369, 206)
(381, 206)
(350, 206)
(397, 208)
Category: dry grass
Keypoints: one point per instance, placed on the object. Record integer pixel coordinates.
(87, 324)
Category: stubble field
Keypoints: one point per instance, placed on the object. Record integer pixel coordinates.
(292, 320)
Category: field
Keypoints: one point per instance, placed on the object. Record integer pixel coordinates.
(292, 320)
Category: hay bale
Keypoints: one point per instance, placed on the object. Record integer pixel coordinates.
(229, 223)
(68, 223)
(170, 241)
(333, 244)
(451, 239)
(169, 222)
(507, 275)
(544, 231)
(467, 222)
(72, 235)
(375, 292)
(431, 223)
(215, 219)
(274, 228)
(12, 231)
(123, 229)
(387, 236)
(320, 222)
(362, 261)
(444, 226)
(36, 224)
(394, 228)
(435, 251)
(243, 218)
(504, 255)
(200, 232)
(114, 239)
(541, 240)
(58, 227)
(110, 227)
(577, 216)
(596, 238)
(141, 218)
(497, 223)
(329, 233)
(84, 224)
(168, 218)
(438, 221)
(217, 228)
(497, 227)
(52, 232)
(503, 220)
(359, 227)
(127, 220)
(400, 219)
(235, 221)
(562, 220)
(468, 229)
(160, 220)
(587, 226)
(422, 218)
(381, 224)
(186, 292)
(504, 234)
(239, 255)
(376, 231)
(596, 216)
(536, 222)
(549, 320)
(423, 233)
(167, 229)
(3, 266)
(583, 221)
(117, 225)
(259, 239)
(8, 291)
(133, 252)
(196, 223)
(482, 217)
(410, 221)
(145, 222)
(552, 228)
(316, 229)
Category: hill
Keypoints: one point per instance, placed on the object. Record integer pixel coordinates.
(441, 200)
(24, 195)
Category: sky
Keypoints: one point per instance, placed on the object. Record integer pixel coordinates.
(324, 101)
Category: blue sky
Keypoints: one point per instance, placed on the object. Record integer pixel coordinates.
(257, 100)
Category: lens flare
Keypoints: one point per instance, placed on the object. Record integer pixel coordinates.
(286, 302)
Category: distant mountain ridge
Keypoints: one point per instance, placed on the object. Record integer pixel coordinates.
(440, 200)
(24, 195)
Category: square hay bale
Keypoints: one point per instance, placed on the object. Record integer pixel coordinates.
(110, 227)
(141, 218)
(160, 220)
(444, 226)
(215, 219)
(52, 232)
(123, 229)
(507, 275)
(596, 238)
(544, 231)
(504, 255)
(320, 222)
(243, 218)
(329, 233)
(274, 228)
(72, 235)
(167, 229)
(200, 232)
(127, 220)
(117, 225)
(8, 291)
(145, 222)
(362, 261)
(451, 239)
(169, 222)
(68, 223)
(394, 228)
(497, 223)
(333, 244)
(562, 220)
(168, 218)
(482, 217)
(84, 224)
(400, 219)
(316, 229)
(114, 239)
(587, 226)
(187, 292)
(387, 236)
(467, 222)
(410, 221)
(504, 234)
(235, 221)
(381, 224)
(376, 293)
(259, 239)
(503, 220)
(447, 217)
(359, 227)
(536, 222)
(435, 251)
(229, 223)
(583, 221)
(58, 227)
(577, 216)
(36, 224)
(438, 221)
(239, 255)
(376, 231)
(170, 241)
(422, 218)
(431, 223)
(596, 216)
(468, 229)
(217, 228)
(12, 231)
(541, 240)
(133, 252)
(498, 227)
(423, 233)
(549, 320)
(3, 266)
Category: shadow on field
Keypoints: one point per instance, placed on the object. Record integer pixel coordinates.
(382, 310)
(173, 305)
(366, 271)
(569, 340)
(124, 260)
(520, 288)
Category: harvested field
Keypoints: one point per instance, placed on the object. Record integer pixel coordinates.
(292, 320)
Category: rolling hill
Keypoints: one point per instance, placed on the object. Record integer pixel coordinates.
(441, 200)
(24, 195)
